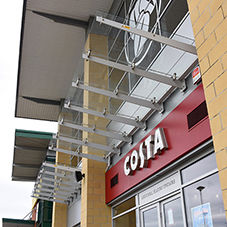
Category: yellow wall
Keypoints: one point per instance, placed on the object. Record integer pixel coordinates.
(210, 30)
(94, 211)
(59, 217)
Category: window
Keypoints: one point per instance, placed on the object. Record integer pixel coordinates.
(128, 210)
(196, 200)
(128, 219)
(130, 203)
(163, 18)
(198, 168)
(203, 198)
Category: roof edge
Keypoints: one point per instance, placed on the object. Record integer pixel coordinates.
(20, 52)
(33, 134)
(17, 221)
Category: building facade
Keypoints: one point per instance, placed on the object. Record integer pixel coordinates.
(145, 113)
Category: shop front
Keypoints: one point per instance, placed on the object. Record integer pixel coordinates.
(135, 113)
(170, 178)
(189, 195)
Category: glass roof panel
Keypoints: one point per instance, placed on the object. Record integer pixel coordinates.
(136, 51)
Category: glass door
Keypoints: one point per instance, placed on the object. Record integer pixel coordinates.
(166, 213)
(151, 216)
(172, 215)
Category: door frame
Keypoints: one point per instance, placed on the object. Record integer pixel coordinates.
(164, 201)
(148, 207)
(160, 208)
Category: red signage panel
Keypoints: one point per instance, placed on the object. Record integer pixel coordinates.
(180, 140)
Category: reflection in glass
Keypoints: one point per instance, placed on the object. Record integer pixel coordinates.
(163, 5)
(199, 168)
(171, 19)
(204, 203)
(128, 219)
(150, 217)
(130, 203)
(173, 213)
(163, 17)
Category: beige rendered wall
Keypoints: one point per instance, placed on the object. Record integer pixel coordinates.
(94, 211)
(210, 30)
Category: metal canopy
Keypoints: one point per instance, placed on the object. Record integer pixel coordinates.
(41, 96)
(52, 36)
(175, 57)
(30, 150)
(56, 182)
(165, 72)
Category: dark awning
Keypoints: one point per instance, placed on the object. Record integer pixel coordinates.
(30, 150)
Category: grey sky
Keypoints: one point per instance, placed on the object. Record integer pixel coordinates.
(15, 200)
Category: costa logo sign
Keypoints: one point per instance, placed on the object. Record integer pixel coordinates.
(143, 15)
(152, 146)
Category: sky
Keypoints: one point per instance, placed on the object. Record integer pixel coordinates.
(15, 199)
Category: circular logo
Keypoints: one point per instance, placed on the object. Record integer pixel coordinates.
(143, 15)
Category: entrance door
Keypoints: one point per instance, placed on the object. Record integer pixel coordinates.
(151, 217)
(167, 213)
(172, 212)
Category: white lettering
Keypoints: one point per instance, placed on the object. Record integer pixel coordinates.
(148, 149)
(127, 168)
(160, 141)
(149, 143)
(143, 156)
(135, 160)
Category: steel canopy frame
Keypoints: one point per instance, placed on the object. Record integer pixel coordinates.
(54, 191)
(124, 120)
(116, 95)
(36, 190)
(56, 174)
(58, 187)
(89, 144)
(150, 75)
(97, 131)
(152, 36)
(50, 199)
(82, 155)
(68, 189)
(61, 167)
(170, 80)
(53, 195)
(65, 183)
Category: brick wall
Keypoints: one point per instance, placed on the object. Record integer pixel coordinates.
(59, 217)
(210, 30)
(94, 211)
